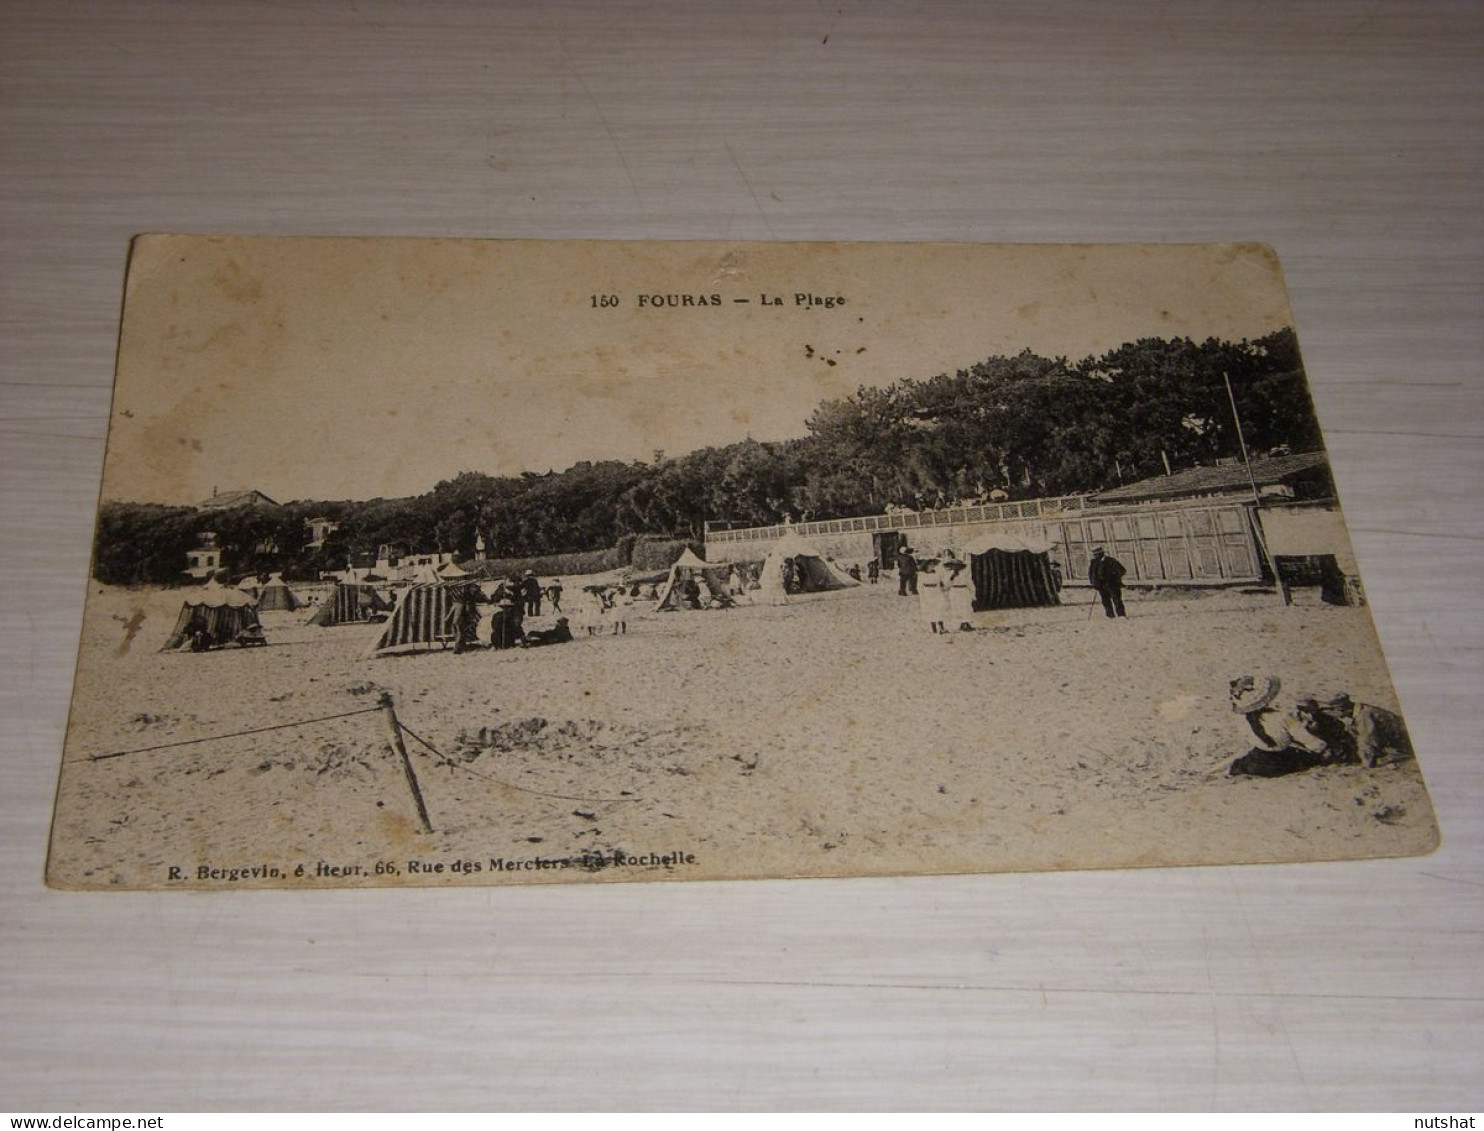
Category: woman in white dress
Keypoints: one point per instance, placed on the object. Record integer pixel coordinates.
(960, 609)
(932, 594)
(770, 586)
(589, 610)
(618, 614)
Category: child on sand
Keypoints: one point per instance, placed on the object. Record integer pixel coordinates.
(932, 594)
(618, 613)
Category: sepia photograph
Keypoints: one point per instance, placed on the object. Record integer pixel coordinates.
(435, 562)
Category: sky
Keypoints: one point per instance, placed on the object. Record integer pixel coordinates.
(358, 368)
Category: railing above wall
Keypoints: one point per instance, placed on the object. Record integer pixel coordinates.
(909, 520)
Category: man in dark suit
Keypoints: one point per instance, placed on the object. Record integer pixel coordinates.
(530, 589)
(1105, 575)
(906, 572)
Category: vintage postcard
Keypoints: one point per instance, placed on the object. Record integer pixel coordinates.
(428, 562)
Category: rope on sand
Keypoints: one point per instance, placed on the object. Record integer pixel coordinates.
(216, 737)
(445, 760)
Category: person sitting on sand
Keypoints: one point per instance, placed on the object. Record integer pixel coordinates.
(1311, 732)
(503, 626)
(1282, 741)
(251, 637)
(790, 569)
(690, 593)
(560, 633)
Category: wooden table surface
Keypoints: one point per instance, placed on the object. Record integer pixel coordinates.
(1346, 135)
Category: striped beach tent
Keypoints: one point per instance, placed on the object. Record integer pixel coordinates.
(217, 613)
(1011, 572)
(424, 616)
(277, 596)
(349, 604)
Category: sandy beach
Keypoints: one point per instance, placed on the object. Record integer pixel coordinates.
(834, 736)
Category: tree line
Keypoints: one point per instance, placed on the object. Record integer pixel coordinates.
(1025, 426)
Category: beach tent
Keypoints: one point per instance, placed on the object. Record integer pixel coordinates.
(349, 604)
(215, 610)
(249, 585)
(450, 572)
(425, 615)
(276, 596)
(1010, 572)
(710, 576)
(425, 575)
(813, 573)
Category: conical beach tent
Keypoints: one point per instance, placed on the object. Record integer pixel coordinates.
(711, 577)
(424, 616)
(349, 604)
(450, 572)
(276, 596)
(1010, 572)
(812, 572)
(216, 611)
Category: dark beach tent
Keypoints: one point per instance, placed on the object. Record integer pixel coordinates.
(813, 572)
(349, 604)
(219, 613)
(710, 576)
(425, 615)
(1011, 572)
(276, 596)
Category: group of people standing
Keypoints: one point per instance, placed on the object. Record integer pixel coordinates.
(944, 588)
(526, 591)
(944, 594)
(604, 609)
(514, 599)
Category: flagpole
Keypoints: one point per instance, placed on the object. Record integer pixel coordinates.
(1256, 498)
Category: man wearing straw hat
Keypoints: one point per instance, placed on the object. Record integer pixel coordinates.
(906, 572)
(530, 592)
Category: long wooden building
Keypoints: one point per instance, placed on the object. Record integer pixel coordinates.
(1198, 527)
